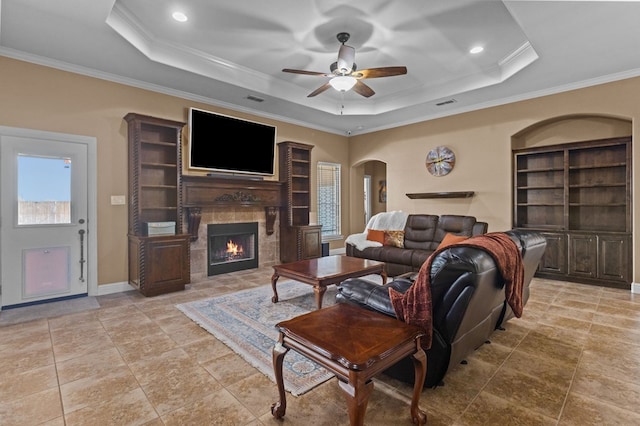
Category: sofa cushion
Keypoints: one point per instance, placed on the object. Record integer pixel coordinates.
(418, 257)
(454, 224)
(419, 231)
(389, 254)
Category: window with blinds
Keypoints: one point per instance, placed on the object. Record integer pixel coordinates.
(329, 199)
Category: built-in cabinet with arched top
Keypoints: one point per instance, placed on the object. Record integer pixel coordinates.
(579, 196)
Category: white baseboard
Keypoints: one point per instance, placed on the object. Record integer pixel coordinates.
(341, 250)
(635, 288)
(114, 288)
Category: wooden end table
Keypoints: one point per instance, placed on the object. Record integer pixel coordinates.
(355, 344)
(324, 271)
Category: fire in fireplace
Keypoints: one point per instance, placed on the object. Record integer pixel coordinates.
(232, 247)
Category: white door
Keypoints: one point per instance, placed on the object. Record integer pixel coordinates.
(44, 208)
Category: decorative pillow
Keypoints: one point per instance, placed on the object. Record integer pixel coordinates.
(375, 235)
(450, 239)
(394, 238)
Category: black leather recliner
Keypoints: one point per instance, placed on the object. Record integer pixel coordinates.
(468, 302)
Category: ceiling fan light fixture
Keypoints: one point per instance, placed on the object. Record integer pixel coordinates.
(343, 83)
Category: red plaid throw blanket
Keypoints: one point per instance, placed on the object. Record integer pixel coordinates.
(414, 306)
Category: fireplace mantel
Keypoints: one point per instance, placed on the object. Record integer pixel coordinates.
(217, 192)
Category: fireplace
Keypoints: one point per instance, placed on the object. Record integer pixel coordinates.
(232, 247)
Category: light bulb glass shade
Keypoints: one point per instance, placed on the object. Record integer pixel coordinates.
(342, 83)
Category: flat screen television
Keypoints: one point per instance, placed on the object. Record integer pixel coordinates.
(221, 143)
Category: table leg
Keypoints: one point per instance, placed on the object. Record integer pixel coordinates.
(383, 274)
(357, 396)
(279, 351)
(419, 359)
(319, 290)
(274, 279)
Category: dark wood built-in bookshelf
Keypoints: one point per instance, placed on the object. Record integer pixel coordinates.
(298, 239)
(157, 263)
(579, 196)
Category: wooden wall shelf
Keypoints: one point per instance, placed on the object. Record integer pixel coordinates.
(455, 194)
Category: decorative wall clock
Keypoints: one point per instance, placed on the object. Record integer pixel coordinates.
(440, 161)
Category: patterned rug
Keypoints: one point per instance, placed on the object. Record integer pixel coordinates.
(245, 321)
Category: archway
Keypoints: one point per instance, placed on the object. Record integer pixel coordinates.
(368, 201)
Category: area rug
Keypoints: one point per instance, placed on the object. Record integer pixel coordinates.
(245, 321)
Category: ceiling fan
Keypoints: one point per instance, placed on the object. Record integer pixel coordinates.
(344, 74)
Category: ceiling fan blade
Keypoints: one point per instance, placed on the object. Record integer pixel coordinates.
(362, 89)
(319, 90)
(305, 72)
(379, 72)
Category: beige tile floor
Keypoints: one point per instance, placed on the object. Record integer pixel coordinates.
(572, 359)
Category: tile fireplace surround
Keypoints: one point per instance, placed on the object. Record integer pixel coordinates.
(268, 245)
(213, 200)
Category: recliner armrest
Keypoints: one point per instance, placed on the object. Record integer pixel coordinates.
(369, 295)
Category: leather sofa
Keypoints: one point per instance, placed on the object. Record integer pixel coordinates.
(468, 301)
(422, 236)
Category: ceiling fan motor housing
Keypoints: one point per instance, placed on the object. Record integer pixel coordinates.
(346, 59)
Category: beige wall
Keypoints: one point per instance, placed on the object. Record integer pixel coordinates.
(483, 140)
(41, 98)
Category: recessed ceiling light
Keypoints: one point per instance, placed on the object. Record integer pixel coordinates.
(179, 16)
(476, 49)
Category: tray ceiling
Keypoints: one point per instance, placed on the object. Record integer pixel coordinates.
(231, 53)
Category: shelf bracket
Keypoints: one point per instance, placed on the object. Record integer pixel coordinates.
(194, 214)
(270, 212)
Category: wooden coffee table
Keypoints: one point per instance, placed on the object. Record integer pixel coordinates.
(324, 271)
(355, 344)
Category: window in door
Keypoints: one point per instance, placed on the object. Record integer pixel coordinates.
(44, 190)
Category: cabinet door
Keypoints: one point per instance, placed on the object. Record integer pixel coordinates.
(311, 242)
(167, 261)
(583, 253)
(554, 260)
(613, 257)
(164, 263)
